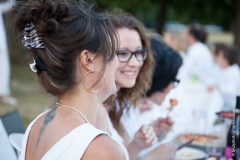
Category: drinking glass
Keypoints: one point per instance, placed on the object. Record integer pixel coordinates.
(213, 149)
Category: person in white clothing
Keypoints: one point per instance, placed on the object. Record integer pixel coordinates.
(72, 49)
(198, 65)
(5, 93)
(168, 62)
(227, 74)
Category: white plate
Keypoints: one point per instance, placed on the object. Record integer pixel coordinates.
(189, 154)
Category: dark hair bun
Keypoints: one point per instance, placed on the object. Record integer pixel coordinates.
(44, 14)
(66, 29)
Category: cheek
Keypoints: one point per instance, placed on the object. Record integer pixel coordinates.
(118, 71)
(140, 65)
(168, 89)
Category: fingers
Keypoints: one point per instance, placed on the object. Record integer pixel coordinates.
(146, 131)
(169, 121)
(148, 134)
(152, 139)
(163, 126)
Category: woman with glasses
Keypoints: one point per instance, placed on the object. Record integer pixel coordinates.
(133, 78)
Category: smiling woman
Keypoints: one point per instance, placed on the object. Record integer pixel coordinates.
(131, 81)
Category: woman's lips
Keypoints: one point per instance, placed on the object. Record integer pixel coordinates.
(128, 73)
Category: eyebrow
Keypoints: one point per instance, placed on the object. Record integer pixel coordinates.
(129, 49)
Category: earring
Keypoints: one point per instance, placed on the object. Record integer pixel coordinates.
(98, 89)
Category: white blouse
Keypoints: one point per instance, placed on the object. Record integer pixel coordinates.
(116, 137)
(228, 81)
(199, 64)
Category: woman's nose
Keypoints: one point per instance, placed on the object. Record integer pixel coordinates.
(133, 61)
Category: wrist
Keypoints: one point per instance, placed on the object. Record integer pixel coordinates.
(136, 145)
(134, 150)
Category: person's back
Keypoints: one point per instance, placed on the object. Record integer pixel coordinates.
(76, 68)
(227, 74)
(199, 63)
(73, 142)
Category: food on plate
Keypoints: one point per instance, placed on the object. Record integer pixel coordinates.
(199, 138)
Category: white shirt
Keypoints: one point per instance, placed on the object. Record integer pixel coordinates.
(131, 121)
(199, 64)
(116, 137)
(228, 81)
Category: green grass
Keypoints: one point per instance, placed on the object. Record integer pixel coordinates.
(32, 100)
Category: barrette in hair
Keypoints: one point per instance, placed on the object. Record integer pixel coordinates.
(30, 38)
(33, 66)
(37, 65)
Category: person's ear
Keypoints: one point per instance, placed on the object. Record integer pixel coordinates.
(86, 60)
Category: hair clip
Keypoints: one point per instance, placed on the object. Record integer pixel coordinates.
(30, 37)
(37, 65)
(33, 66)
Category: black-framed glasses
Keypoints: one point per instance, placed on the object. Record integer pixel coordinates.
(125, 55)
(176, 82)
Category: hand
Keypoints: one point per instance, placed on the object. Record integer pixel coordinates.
(145, 137)
(162, 126)
(164, 152)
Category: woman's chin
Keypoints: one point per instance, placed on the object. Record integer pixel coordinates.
(129, 85)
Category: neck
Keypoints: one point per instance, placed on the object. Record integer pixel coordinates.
(192, 42)
(118, 87)
(157, 99)
(225, 66)
(84, 101)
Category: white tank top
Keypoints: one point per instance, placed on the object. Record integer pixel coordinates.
(71, 147)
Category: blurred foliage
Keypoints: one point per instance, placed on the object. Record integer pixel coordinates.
(219, 12)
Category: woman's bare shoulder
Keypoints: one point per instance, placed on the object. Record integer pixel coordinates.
(104, 148)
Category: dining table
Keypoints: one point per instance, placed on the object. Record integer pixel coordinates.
(195, 112)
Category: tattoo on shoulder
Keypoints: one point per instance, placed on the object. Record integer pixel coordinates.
(49, 117)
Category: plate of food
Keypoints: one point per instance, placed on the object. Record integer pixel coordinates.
(199, 139)
(187, 153)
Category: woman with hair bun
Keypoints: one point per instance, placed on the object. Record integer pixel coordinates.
(72, 49)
